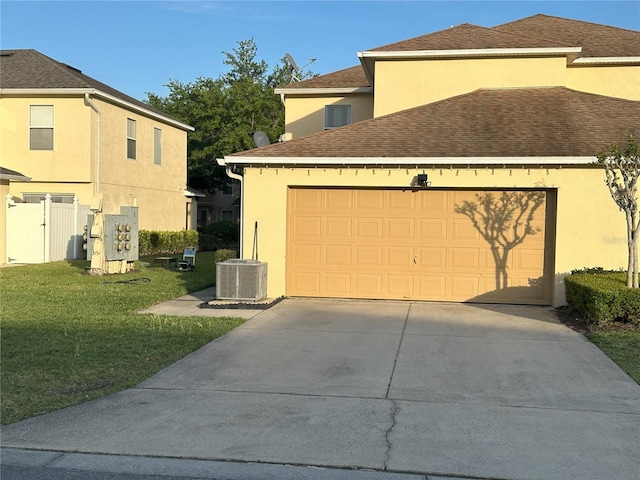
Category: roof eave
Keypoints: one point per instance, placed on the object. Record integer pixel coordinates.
(323, 90)
(397, 162)
(593, 61)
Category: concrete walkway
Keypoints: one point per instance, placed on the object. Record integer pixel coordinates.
(354, 388)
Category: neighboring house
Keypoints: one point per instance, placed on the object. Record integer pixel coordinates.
(224, 204)
(464, 171)
(75, 136)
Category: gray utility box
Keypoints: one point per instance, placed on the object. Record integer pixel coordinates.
(238, 279)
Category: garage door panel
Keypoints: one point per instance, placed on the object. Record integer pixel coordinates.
(399, 286)
(308, 255)
(434, 201)
(340, 228)
(465, 258)
(399, 201)
(307, 227)
(463, 287)
(400, 257)
(368, 285)
(432, 258)
(370, 200)
(369, 255)
(308, 199)
(401, 229)
(432, 229)
(307, 283)
(375, 243)
(370, 227)
(340, 200)
(338, 256)
(336, 284)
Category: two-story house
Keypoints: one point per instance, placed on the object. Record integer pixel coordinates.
(455, 166)
(73, 136)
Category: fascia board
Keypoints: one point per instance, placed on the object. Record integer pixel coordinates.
(323, 91)
(98, 94)
(401, 161)
(16, 178)
(480, 52)
(143, 111)
(607, 61)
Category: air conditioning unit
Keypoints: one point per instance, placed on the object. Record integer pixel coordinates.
(239, 279)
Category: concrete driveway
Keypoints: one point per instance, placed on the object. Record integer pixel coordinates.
(501, 392)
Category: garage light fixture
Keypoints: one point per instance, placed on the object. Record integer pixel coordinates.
(420, 181)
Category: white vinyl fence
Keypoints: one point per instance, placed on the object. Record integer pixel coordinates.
(44, 232)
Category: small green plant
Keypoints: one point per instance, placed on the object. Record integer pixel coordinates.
(225, 254)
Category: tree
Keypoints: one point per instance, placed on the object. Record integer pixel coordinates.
(622, 169)
(504, 222)
(226, 112)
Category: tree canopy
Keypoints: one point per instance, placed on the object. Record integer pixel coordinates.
(226, 112)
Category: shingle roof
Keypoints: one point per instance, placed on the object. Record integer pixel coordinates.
(524, 122)
(30, 69)
(596, 40)
(537, 31)
(352, 77)
(468, 37)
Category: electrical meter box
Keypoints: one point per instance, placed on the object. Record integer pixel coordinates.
(121, 235)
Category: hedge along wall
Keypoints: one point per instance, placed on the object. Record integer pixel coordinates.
(603, 297)
(164, 243)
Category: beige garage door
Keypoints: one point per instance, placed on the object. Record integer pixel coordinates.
(449, 245)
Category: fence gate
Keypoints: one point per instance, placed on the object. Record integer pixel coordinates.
(44, 232)
(26, 233)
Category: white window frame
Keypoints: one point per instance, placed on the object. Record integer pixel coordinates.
(157, 146)
(40, 121)
(330, 123)
(131, 139)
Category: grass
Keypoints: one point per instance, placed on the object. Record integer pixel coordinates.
(623, 347)
(68, 337)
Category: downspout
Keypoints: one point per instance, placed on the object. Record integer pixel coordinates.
(240, 178)
(89, 103)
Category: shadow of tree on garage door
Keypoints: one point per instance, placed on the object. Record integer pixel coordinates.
(504, 220)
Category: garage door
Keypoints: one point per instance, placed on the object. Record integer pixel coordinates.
(445, 245)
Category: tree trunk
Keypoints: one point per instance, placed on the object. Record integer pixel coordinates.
(632, 261)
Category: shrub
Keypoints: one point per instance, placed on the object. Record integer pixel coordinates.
(603, 297)
(225, 254)
(164, 243)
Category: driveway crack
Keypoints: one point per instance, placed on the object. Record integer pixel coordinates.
(394, 411)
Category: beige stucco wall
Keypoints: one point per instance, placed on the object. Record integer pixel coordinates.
(72, 166)
(403, 84)
(611, 81)
(67, 162)
(590, 228)
(304, 114)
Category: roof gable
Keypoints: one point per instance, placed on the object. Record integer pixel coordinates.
(526, 122)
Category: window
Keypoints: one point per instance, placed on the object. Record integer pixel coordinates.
(131, 139)
(41, 127)
(336, 116)
(157, 146)
(227, 215)
(227, 189)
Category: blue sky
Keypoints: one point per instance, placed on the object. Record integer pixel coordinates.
(136, 47)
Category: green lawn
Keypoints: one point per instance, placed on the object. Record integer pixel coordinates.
(68, 337)
(623, 347)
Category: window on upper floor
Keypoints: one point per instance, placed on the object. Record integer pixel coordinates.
(227, 189)
(336, 116)
(131, 139)
(41, 127)
(157, 146)
(227, 215)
